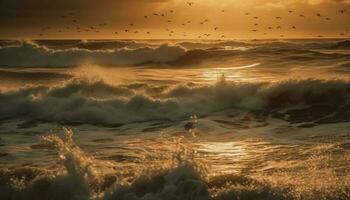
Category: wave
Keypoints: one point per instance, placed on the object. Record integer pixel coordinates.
(181, 177)
(31, 54)
(119, 52)
(95, 102)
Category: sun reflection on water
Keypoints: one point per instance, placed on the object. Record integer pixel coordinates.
(224, 156)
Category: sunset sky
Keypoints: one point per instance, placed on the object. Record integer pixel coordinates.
(125, 19)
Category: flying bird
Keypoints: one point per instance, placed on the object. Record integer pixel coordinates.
(342, 11)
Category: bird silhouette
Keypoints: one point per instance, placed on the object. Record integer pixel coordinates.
(342, 11)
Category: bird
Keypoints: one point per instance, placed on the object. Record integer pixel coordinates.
(342, 11)
(278, 17)
(293, 27)
(190, 3)
(145, 16)
(327, 18)
(131, 24)
(148, 32)
(318, 14)
(301, 15)
(290, 11)
(172, 11)
(116, 32)
(216, 28)
(254, 30)
(246, 13)
(256, 17)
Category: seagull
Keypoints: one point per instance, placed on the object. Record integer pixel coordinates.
(145, 16)
(190, 3)
(342, 11)
(293, 27)
(301, 15)
(318, 14)
(290, 11)
(278, 17)
(216, 28)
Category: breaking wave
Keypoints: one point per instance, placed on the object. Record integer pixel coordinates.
(96, 102)
(31, 54)
(120, 52)
(179, 177)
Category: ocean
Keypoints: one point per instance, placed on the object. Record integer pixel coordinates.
(175, 119)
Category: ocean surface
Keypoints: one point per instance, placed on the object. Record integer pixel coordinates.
(175, 120)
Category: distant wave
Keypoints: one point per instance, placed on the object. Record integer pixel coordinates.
(32, 54)
(84, 102)
(76, 52)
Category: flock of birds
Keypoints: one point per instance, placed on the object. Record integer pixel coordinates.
(131, 27)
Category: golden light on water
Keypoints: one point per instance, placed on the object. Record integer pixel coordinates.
(230, 155)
